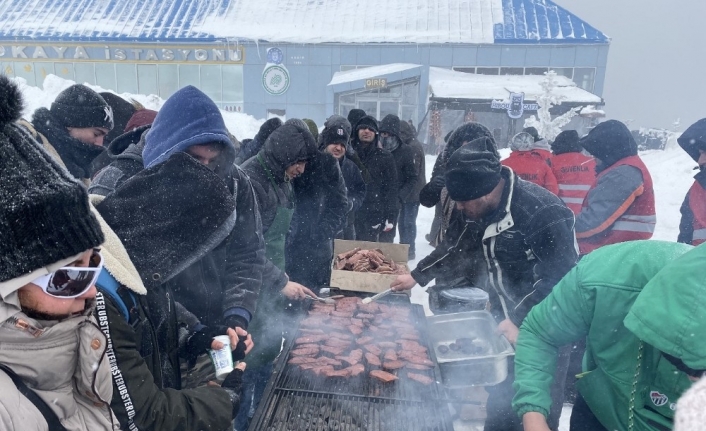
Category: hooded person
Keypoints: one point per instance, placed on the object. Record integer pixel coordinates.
(541, 146)
(620, 205)
(434, 193)
(54, 373)
(529, 164)
(283, 157)
(574, 171)
(406, 165)
(122, 111)
(692, 227)
(313, 128)
(146, 248)
(409, 206)
(380, 206)
(638, 305)
(334, 139)
(74, 128)
(512, 238)
(252, 147)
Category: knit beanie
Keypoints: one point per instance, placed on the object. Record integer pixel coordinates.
(80, 107)
(691, 414)
(313, 128)
(140, 118)
(532, 131)
(354, 116)
(468, 132)
(334, 135)
(523, 141)
(368, 122)
(122, 112)
(472, 172)
(44, 213)
(566, 142)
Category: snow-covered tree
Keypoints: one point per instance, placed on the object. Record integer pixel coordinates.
(547, 127)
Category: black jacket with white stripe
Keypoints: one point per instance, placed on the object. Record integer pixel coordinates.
(528, 244)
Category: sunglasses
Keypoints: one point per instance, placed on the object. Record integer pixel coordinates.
(70, 281)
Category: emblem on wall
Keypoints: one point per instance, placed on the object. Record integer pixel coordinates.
(275, 79)
(275, 56)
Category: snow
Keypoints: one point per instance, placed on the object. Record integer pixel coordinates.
(241, 125)
(370, 72)
(451, 84)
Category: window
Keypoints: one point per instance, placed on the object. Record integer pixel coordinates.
(464, 69)
(511, 71)
(168, 79)
(564, 71)
(211, 82)
(346, 67)
(85, 72)
(584, 77)
(41, 70)
(105, 75)
(536, 70)
(487, 70)
(26, 71)
(126, 78)
(147, 79)
(232, 83)
(188, 75)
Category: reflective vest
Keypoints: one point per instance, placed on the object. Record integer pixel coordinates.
(575, 173)
(639, 219)
(531, 166)
(697, 204)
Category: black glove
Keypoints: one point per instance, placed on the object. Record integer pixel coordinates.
(233, 384)
(200, 342)
(438, 182)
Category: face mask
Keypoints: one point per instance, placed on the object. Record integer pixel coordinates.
(390, 143)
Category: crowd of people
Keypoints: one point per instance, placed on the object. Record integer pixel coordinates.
(132, 238)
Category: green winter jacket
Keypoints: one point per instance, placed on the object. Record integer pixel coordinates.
(632, 301)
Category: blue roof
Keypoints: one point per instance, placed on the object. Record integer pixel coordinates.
(294, 21)
(543, 21)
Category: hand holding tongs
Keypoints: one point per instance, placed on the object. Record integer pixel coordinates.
(329, 300)
(376, 297)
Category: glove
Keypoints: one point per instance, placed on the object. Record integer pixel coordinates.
(233, 384)
(438, 182)
(200, 342)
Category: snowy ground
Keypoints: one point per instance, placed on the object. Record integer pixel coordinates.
(671, 170)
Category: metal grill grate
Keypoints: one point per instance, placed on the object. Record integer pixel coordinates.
(301, 411)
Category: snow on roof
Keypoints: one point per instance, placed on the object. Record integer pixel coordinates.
(449, 84)
(370, 72)
(295, 21)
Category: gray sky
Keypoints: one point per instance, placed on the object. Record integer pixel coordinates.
(657, 60)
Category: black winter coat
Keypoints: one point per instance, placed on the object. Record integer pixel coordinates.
(381, 195)
(355, 185)
(161, 244)
(528, 243)
(229, 277)
(319, 214)
(408, 138)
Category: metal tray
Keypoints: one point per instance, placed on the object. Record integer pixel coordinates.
(485, 367)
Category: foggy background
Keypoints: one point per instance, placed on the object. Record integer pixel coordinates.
(656, 69)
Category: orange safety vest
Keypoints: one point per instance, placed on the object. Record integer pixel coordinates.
(697, 203)
(531, 166)
(636, 222)
(575, 173)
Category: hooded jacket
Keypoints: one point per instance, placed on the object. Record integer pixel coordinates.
(407, 135)
(528, 245)
(405, 163)
(381, 196)
(529, 164)
(620, 205)
(144, 344)
(226, 281)
(692, 227)
(254, 145)
(631, 302)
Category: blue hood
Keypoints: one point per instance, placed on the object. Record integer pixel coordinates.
(188, 118)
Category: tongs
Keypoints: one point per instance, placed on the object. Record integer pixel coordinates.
(329, 300)
(376, 297)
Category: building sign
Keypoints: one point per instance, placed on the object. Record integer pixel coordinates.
(516, 106)
(121, 53)
(275, 79)
(275, 56)
(375, 83)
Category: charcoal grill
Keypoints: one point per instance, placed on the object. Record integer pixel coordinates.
(296, 400)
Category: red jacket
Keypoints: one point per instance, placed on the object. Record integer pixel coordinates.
(619, 207)
(575, 173)
(532, 167)
(692, 228)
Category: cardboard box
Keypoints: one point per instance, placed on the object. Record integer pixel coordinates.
(366, 281)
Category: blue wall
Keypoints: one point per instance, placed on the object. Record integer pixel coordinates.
(311, 68)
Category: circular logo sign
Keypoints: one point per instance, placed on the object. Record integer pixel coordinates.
(275, 55)
(275, 79)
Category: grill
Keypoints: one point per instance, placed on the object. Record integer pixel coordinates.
(296, 400)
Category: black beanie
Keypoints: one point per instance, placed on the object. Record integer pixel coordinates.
(122, 113)
(354, 116)
(469, 132)
(336, 134)
(566, 142)
(532, 131)
(390, 124)
(44, 213)
(472, 173)
(368, 122)
(80, 107)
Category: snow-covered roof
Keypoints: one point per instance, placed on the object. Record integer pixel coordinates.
(449, 84)
(296, 21)
(370, 72)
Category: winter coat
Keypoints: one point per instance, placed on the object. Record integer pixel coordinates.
(528, 244)
(355, 186)
(575, 173)
(74, 154)
(620, 206)
(135, 307)
(692, 227)
(408, 138)
(320, 213)
(225, 283)
(253, 146)
(630, 302)
(531, 166)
